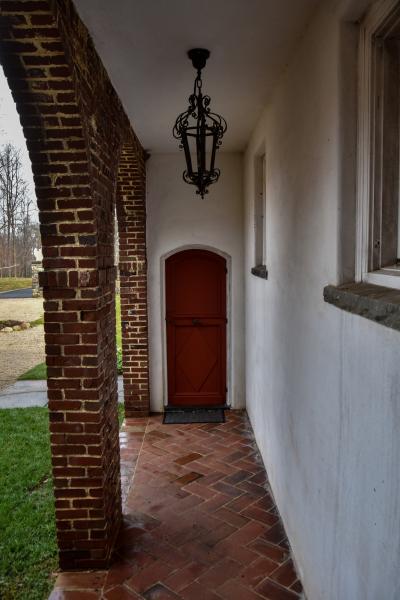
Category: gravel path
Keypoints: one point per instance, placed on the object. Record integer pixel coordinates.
(21, 309)
(20, 350)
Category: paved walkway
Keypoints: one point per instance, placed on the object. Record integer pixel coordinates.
(200, 520)
(24, 394)
(21, 293)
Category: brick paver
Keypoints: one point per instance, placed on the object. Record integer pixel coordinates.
(200, 521)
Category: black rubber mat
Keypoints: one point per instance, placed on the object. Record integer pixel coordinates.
(197, 415)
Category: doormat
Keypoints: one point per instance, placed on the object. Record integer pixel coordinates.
(197, 415)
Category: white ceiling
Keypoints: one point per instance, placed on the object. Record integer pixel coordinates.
(143, 45)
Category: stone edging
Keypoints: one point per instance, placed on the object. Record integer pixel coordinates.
(374, 302)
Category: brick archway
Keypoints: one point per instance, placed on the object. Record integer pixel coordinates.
(74, 126)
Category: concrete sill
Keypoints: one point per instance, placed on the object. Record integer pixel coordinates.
(374, 302)
(260, 271)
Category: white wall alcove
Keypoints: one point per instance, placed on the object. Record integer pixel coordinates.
(178, 219)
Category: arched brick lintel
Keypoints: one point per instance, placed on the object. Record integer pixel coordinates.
(74, 125)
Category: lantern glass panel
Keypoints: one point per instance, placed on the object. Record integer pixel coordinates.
(192, 147)
(213, 149)
(186, 148)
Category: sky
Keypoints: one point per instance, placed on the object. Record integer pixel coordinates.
(11, 130)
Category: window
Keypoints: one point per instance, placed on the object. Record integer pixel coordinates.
(378, 237)
(260, 268)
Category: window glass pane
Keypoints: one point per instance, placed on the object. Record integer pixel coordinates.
(390, 153)
(259, 210)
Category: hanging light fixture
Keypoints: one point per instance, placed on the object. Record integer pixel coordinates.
(200, 132)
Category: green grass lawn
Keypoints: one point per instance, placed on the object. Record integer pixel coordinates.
(14, 283)
(36, 373)
(121, 414)
(39, 321)
(118, 332)
(28, 549)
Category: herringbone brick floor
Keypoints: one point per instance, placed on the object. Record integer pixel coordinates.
(200, 522)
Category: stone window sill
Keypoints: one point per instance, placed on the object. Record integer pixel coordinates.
(374, 302)
(260, 271)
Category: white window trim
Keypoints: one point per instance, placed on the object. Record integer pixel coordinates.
(372, 23)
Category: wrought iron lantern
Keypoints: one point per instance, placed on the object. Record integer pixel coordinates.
(200, 132)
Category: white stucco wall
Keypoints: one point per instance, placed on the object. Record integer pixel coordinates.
(322, 386)
(178, 218)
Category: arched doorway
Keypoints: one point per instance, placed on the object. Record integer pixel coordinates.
(195, 286)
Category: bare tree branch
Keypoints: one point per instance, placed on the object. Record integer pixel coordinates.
(18, 235)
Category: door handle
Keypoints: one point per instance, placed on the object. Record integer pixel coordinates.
(196, 322)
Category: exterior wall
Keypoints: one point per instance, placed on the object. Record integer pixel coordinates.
(322, 385)
(177, 218)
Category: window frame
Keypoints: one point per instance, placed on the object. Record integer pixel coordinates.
(259, 216)
(382, 16)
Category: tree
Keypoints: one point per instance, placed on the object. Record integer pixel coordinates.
(18, 236)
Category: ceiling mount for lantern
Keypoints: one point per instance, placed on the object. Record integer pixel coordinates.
(199, 57)
(200, 131)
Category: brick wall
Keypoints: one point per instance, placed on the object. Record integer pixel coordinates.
(131, 210)
(75, 128)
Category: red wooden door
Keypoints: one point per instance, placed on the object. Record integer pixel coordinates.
(196, 328)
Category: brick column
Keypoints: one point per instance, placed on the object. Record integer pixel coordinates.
(80, 356)
(75, 199)
(131, 214)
